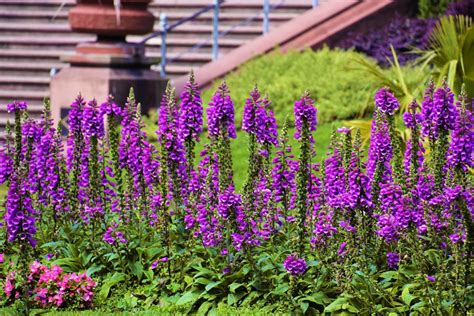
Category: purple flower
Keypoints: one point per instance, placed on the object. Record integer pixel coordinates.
(92, 120)
(220, 113)
(259, 120)
(380, 149)
(111, 108)
(439, 112)
(444, 111)
(431, 278)
(16, 106)
(386, 102)
(20, 214)
(191, 110)
(305, 113)
(294, 265)
(460, 153)
(228, 202)
(342, 249)
(2, 258)
(154, 265)
(392, 260)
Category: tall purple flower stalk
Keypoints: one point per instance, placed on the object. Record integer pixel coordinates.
(173, 152)
(190, 116)
(220, 114)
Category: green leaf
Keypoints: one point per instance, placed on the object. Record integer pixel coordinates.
(69, 264)
(234, 286)
(319, 298)
(406, 296)
(340, 304)
(267, 267)
(137, 269)
(187, 297)
(231, 299)
(94, 268)
(212, 285)
(281, 289)
(109, 283)
(202, 281)
(188, 279)
(204, 308)
(304, 306)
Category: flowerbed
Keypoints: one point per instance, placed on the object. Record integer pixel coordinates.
(156, 225)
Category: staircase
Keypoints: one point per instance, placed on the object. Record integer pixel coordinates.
(34, 34)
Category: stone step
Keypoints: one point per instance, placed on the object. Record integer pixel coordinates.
(64, 28)
(61, 16)
(23, 95)
(24, 80)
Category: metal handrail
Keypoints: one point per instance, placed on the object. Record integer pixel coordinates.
(165, 29)
(181, 21)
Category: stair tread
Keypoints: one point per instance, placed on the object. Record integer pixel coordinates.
(27, 79)
(64, 28)
(23, 94)
(32, 53)
(29, 65)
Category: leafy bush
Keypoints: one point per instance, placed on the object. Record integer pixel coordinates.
(325, 73)
(390, 234)
(432, 8)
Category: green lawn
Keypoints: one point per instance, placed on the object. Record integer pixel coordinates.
(240, 149)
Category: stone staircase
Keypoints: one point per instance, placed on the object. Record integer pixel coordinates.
(34, 34)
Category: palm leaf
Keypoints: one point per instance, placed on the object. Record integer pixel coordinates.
(452, 52)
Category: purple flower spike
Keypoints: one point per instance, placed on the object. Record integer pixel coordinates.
(305, 111)
(392, 260)
(191, 111)
(386, 102)
(220, 113)
(461, 148)
(20, 106)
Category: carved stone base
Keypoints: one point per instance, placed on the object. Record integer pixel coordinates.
(99, 82)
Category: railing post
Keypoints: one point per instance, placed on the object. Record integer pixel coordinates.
(164, 31)
(315, 3)
(266, 12)
(215, 31)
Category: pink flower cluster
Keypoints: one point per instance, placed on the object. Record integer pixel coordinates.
(53, 287)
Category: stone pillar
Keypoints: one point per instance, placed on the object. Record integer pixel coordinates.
(109, 65)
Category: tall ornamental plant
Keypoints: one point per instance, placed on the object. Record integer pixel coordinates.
(346, 235)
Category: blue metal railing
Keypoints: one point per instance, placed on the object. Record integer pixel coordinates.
(165, 28)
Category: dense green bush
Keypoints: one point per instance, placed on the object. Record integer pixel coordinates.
(432, 8)
(343, 89)
(341, 94)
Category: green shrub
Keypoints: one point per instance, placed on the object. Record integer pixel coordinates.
(432, 8)
(327, 74)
